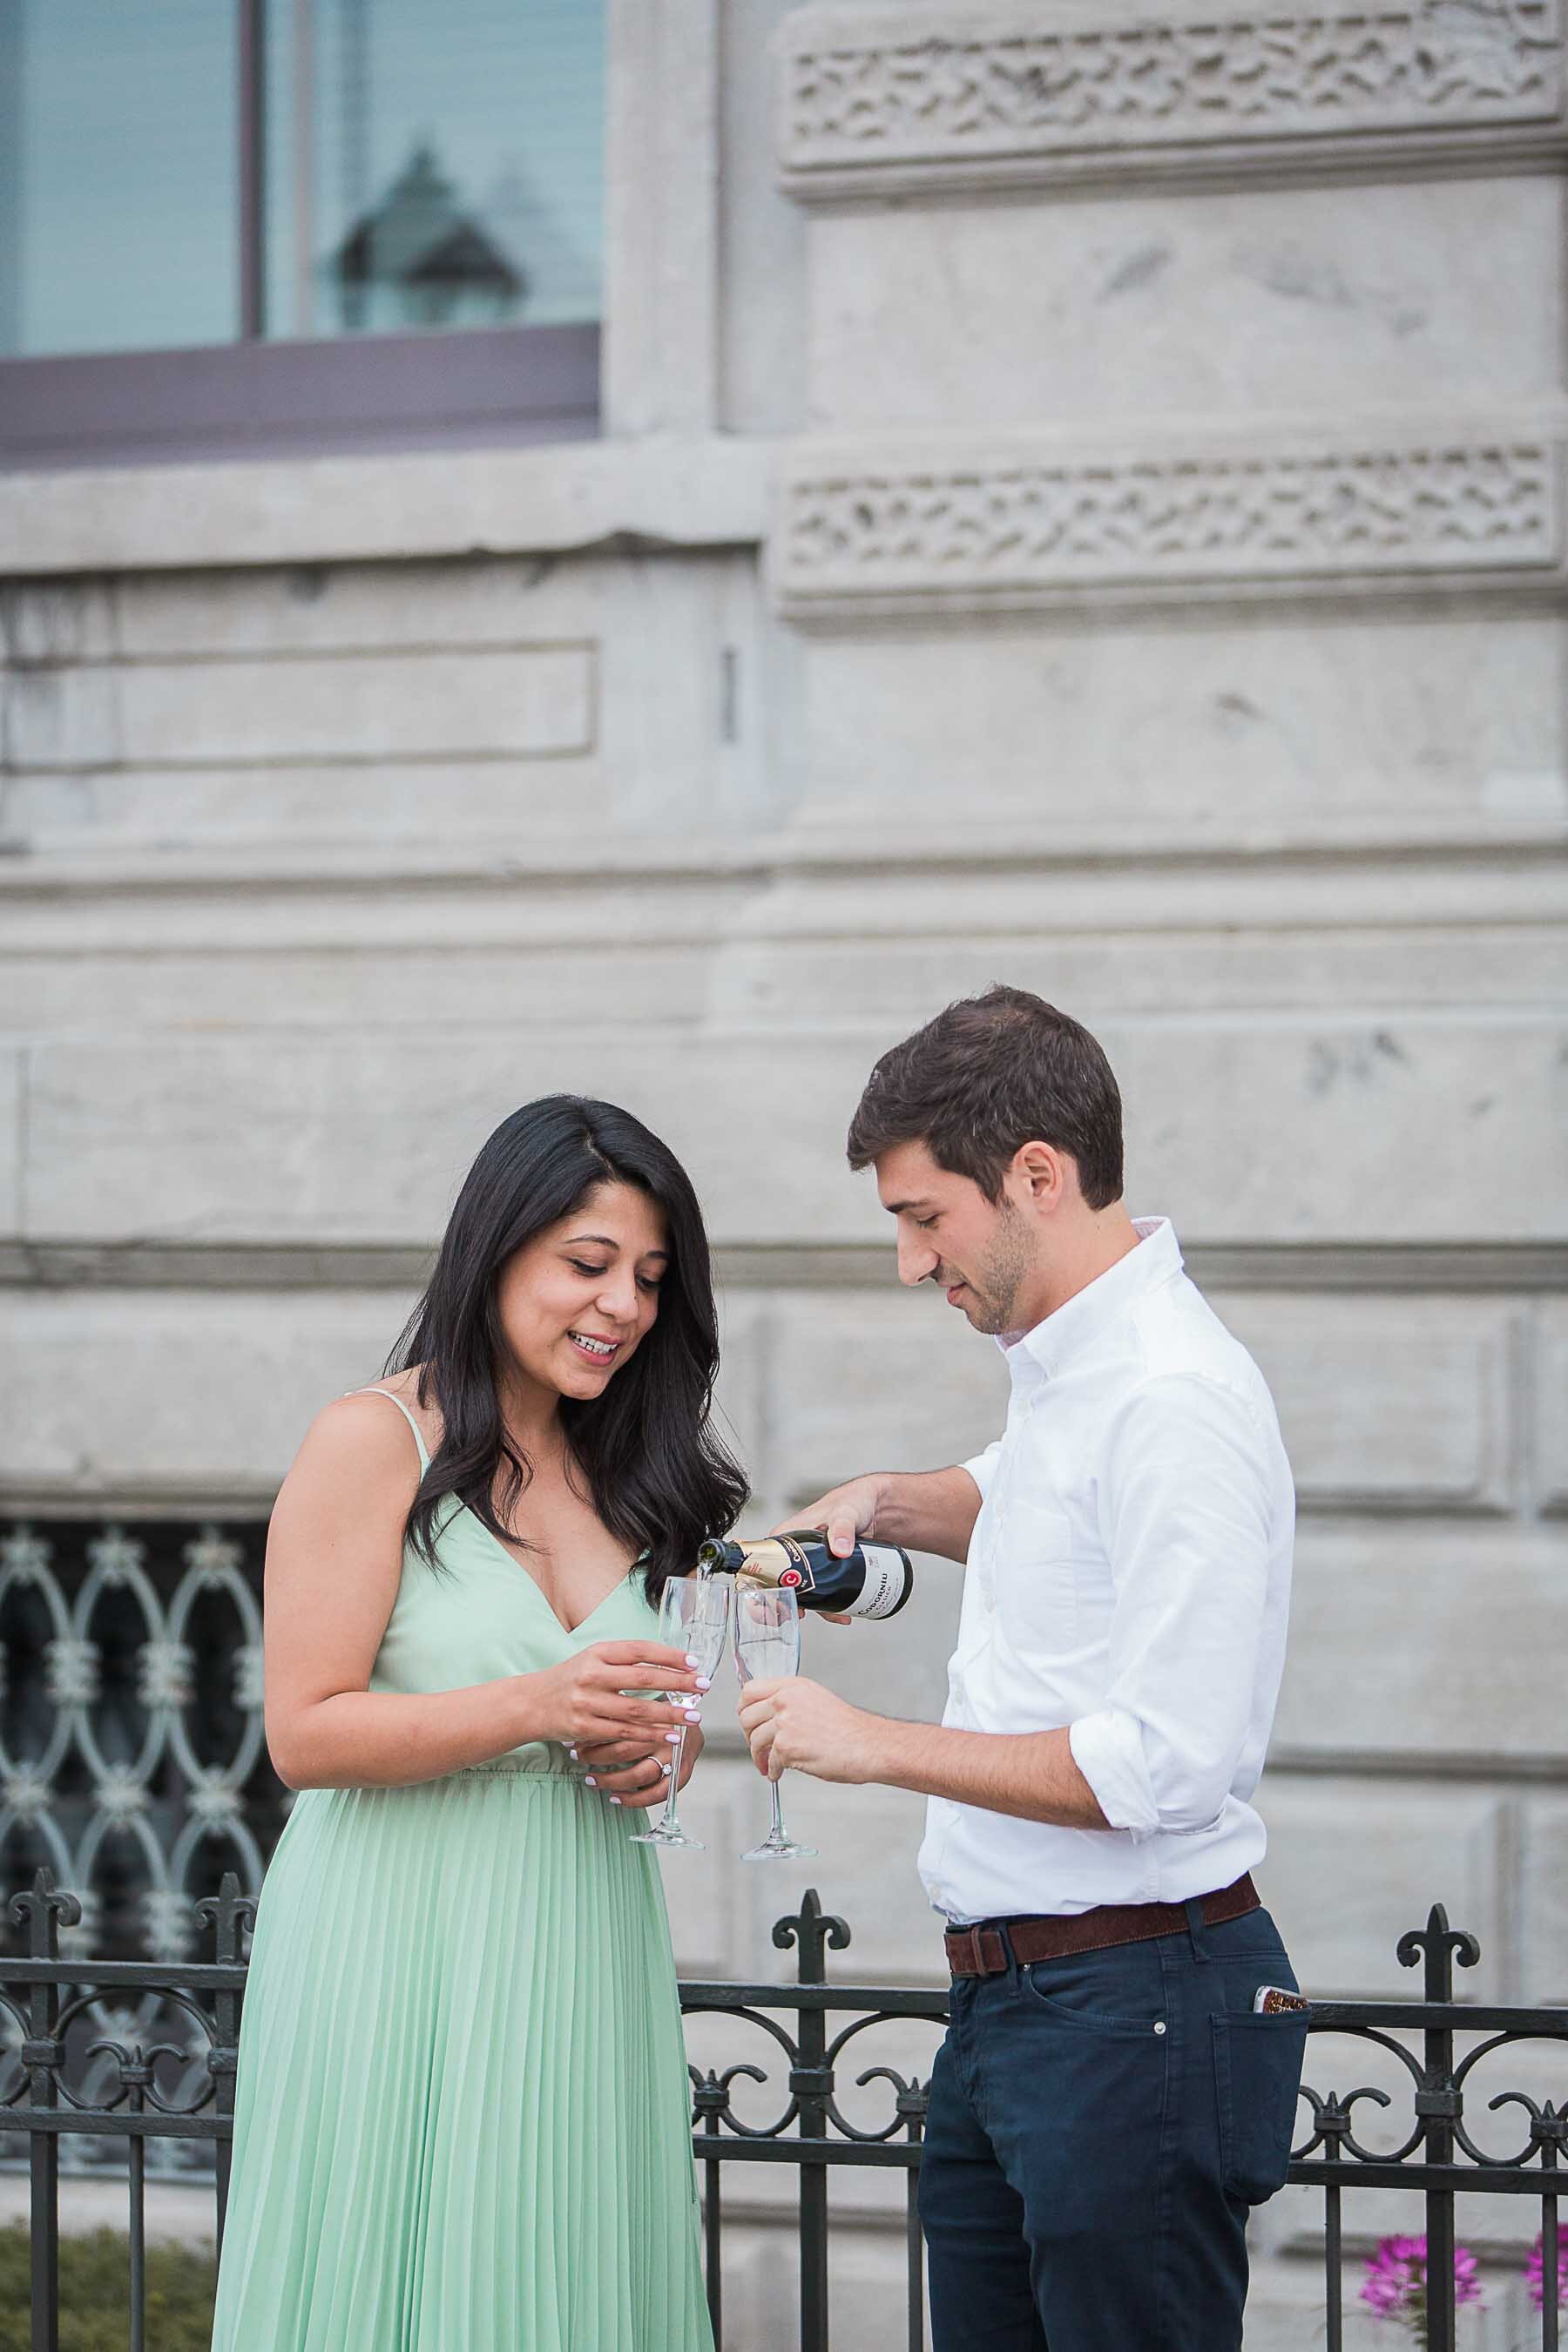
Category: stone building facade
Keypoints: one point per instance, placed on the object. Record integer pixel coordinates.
(1079, 500)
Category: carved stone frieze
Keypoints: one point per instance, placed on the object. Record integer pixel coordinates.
(1029, 527)
(868, 98)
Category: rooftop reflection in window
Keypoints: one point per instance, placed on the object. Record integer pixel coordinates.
(429, 163)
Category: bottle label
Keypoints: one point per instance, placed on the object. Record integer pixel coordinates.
(884, 1587)
(873, 1583)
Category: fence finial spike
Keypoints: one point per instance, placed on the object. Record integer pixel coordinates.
(813, 1931)
(1440, 1945)
(45, 1909)
(228, 1913)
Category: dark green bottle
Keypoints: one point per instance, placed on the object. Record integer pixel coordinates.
(874, 1580)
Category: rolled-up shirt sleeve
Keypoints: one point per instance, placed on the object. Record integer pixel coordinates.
(981, 1467)
(1184, 1510)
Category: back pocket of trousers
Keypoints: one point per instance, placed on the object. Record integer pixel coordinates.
(1257, 2065)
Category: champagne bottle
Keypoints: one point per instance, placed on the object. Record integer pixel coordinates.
(874, 1580)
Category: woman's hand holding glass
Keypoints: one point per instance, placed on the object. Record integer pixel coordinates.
(696, 1614)
(694, 1619)
(585, 1699)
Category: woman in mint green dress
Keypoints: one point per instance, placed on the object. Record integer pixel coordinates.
(461, 2118)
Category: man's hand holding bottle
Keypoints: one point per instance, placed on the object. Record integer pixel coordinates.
(843, 1513)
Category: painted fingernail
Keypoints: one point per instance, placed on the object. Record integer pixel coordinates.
(614, 1800)
(691, 1661)
(589, 1782)
(572, 1753)
(704, 1681)
(673, 1738)
(692, 1714)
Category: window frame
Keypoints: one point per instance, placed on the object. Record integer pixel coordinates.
(259, 397)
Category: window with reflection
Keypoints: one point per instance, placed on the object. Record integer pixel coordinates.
(433, 166)
(179, 175)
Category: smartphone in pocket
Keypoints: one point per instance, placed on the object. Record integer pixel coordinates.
(1275, 2000)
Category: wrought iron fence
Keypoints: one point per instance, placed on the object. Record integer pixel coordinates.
(183, 2092)
(134, 1764)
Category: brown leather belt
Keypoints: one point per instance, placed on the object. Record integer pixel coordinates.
(982, 1951)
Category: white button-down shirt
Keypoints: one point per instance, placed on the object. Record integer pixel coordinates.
(1128, 1578)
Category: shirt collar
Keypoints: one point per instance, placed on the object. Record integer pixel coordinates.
(1078, 1322)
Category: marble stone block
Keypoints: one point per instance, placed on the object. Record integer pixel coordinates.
(336, 704)
(1284, 299)
(528, 701)
(13, 1090)
(1543, 1898)
(313, 989)
(483, 601)
(1388, 1403)
(305, 809)
(60, 719)
(1206, 724)
(54, 621)
(876, 1380)
(1352, 1864)
(172, 1130)
(125, 1395)
(1552, 1405)
(1225, 1129)
(740, 1393)
(677, 492)
(1425, 1642)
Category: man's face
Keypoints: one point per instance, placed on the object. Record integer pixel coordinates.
(980, 1253)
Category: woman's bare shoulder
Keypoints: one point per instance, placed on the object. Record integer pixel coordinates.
(362, 1435)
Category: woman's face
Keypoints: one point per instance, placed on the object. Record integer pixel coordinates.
(576, 1301)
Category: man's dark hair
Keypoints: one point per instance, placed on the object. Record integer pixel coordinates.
(990, 1073)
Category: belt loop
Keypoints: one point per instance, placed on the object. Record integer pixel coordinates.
(1196, 1928)
(1005, 1938)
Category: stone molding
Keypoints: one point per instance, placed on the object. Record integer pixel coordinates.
(670, 492)
(863, 527)
(922, 100)
(126, 876)
(1415, 1268)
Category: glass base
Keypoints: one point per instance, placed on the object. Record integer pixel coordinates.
(785, 1849)
(667, 1837)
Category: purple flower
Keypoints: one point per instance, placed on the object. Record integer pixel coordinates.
(1535, 2276)
(1395, 2285)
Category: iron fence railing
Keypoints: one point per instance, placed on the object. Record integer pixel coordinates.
(61, 2076)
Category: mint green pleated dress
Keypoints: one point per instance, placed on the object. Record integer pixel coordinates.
(461, 2113)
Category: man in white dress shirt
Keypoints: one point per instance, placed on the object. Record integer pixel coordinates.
(1110, 2098)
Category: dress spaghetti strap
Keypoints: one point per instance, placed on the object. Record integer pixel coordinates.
(408, 1417)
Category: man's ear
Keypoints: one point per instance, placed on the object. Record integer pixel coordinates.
(1040, 1174)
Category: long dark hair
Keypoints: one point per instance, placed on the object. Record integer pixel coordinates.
(658, 1475)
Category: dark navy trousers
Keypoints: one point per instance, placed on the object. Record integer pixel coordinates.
(1099, 2128)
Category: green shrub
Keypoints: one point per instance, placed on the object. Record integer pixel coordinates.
(95, 2293)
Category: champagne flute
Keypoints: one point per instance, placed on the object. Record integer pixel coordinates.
(767, 1644)
(693, 1616)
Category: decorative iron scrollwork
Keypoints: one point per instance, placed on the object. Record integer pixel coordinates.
(134, 1764)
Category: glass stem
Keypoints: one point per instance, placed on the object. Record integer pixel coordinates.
(668, 1820)
(777, 1835)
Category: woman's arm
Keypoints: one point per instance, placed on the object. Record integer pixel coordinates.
(335, 1558)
